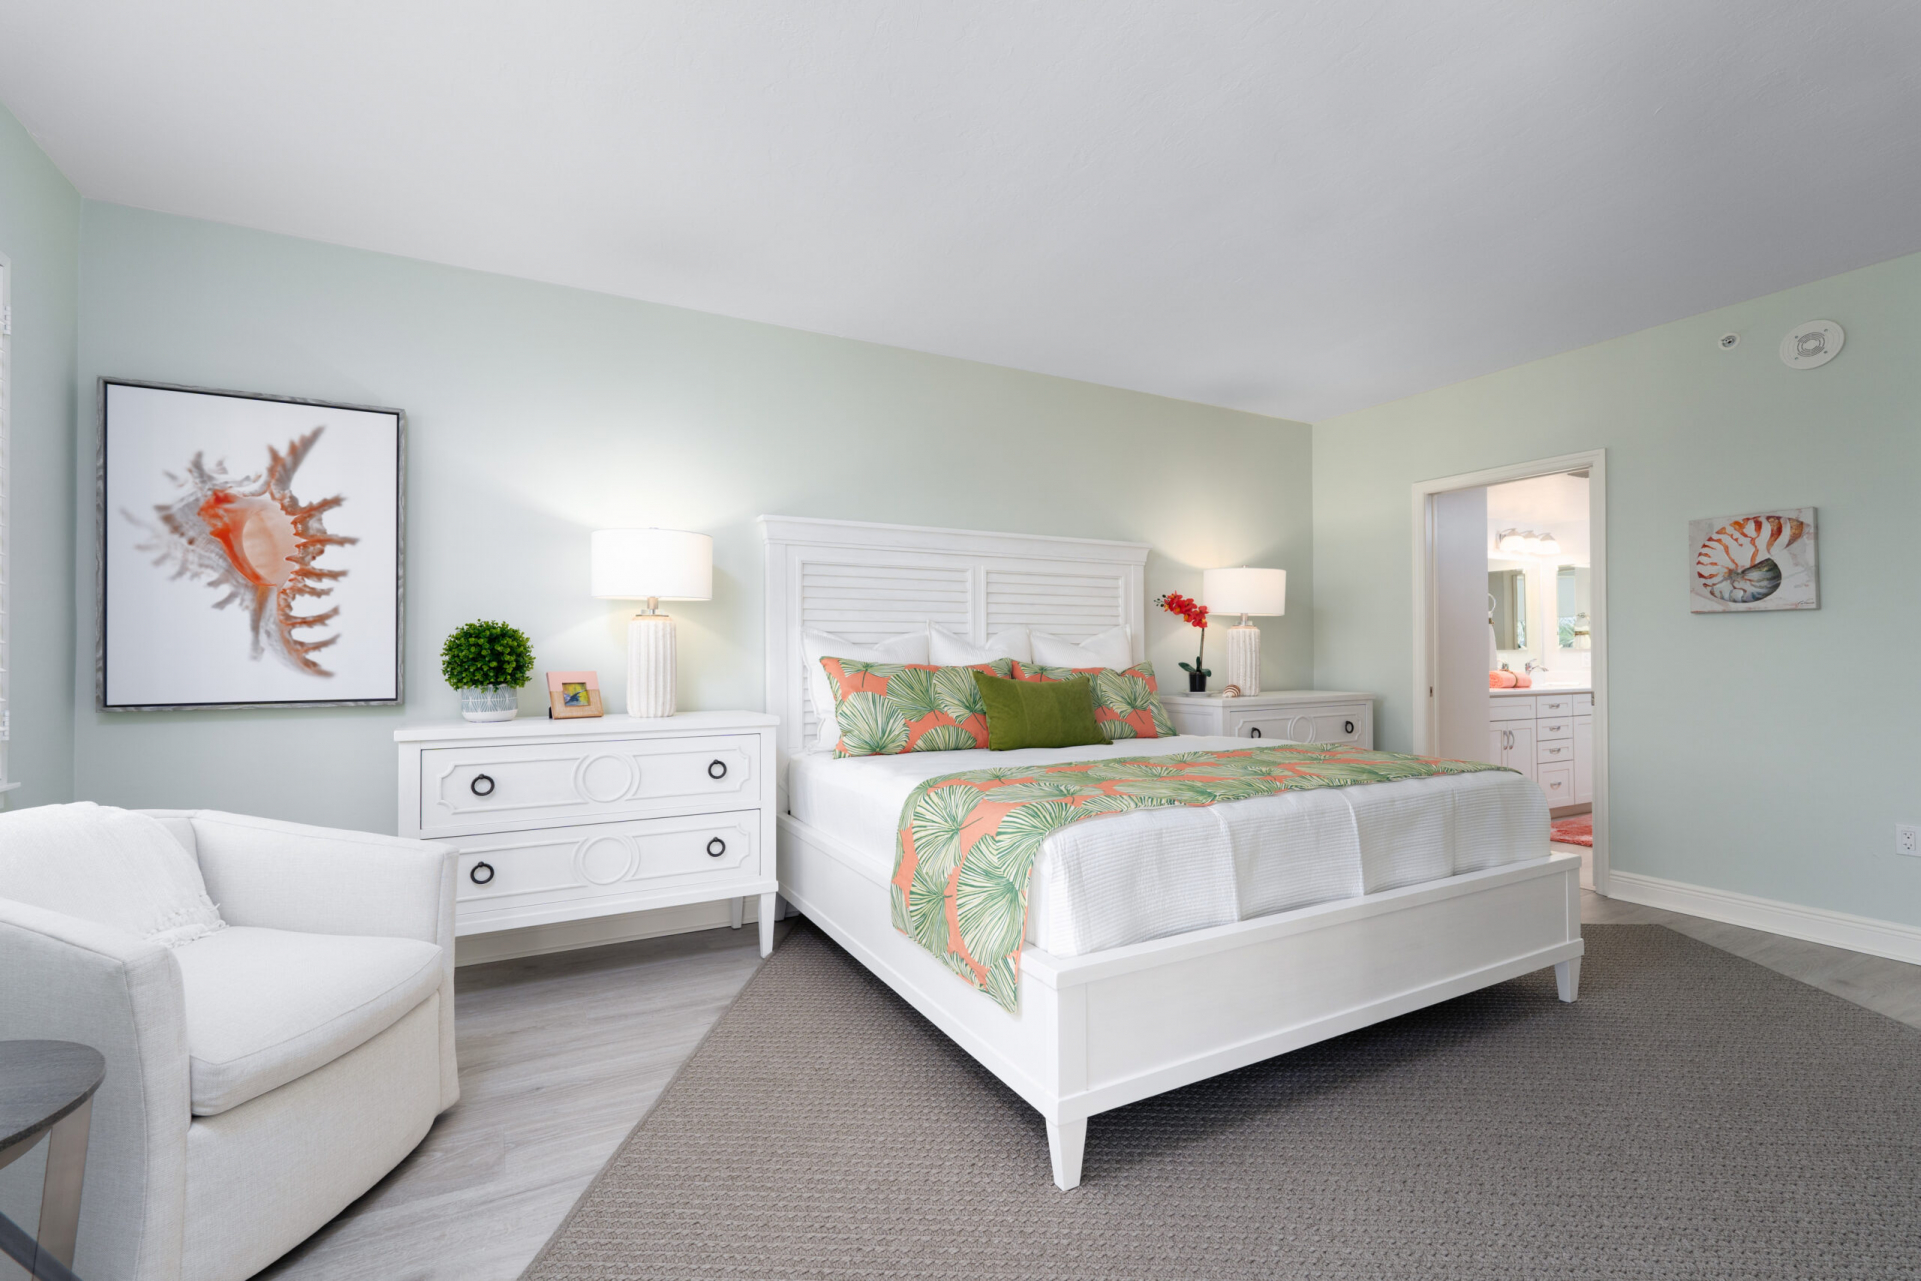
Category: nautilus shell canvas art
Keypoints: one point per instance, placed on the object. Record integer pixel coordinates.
(1756, 562)
(251, 550)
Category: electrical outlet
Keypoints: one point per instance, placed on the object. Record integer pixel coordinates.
(1907, 840)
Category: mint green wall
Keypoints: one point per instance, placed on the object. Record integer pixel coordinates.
(539, 413)
(1767, 754)
(40, 234)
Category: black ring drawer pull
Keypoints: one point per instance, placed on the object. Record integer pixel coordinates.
(476, 788)
(1350, 726)
(475, 875)
(1254, 732)
(716, 769)
(716, 847)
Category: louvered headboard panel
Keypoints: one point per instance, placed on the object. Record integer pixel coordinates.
(865, 582)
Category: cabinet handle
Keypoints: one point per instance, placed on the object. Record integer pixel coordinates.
(475, 874)
(716, 847)
(1350, 726)
(476, 788)
(1254, 731)
(716, 769)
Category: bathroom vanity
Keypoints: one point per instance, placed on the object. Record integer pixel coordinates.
(1548, 735)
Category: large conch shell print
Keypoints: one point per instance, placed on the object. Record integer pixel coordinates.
(253, 538)
(1737, 562)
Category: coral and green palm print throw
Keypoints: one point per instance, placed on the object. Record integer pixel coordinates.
(968, 841)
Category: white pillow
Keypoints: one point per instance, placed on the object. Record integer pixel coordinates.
(1112, 648)
(109, 866)
(911, 648)
(949, 650)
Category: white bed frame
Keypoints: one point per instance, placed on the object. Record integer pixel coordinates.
(1099, 1031)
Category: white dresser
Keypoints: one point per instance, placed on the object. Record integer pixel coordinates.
(1547, 735)
(1285, 716)
(563, 820)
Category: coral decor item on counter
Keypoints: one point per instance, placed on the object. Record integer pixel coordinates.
(1503, 679)
(1196, 616)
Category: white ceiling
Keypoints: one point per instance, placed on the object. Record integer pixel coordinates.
(1295, 208)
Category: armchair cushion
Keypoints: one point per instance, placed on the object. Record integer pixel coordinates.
(109, 866)
(265, 1007)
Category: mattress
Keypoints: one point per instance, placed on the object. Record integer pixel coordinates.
(1147, 874)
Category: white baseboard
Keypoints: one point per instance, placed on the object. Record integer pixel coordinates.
(1891, 939)
(562, 936)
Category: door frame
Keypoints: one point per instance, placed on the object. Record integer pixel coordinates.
(1426, 656)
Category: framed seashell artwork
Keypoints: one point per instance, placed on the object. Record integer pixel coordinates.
(1756, 562)
(250, 550)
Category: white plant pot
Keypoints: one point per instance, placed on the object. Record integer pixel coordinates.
(490, 703)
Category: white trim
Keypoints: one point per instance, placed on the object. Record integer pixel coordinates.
(1891, 939)
(1594, 461)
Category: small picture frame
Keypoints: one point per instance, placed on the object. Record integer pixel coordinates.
(573, 694)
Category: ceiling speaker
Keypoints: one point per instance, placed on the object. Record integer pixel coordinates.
(1811, 343)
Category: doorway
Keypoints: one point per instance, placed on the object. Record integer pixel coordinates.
(1510, 645)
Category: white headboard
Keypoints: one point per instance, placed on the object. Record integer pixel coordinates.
(865, 582)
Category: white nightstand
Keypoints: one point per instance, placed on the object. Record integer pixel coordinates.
(1286, 716)
(563, 820)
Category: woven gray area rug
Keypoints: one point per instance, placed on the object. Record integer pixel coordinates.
(1693, 1115)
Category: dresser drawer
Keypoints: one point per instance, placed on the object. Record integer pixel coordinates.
(1271, 726)
(1558, 752)
(1553, 727)
(488, 789)
(1336, 724)
(594, 869)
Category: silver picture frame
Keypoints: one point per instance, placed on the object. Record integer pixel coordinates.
(103, 587)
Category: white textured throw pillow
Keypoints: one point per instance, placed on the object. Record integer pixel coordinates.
(1112, 648)
(911, 648)
(110, 866)
(949, 650)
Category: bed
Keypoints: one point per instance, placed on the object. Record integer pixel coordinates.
(1165, 946)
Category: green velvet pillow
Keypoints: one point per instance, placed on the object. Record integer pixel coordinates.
(1038, 713)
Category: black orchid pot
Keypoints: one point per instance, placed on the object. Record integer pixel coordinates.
(1197, 682)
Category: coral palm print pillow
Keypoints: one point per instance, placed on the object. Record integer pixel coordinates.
(886, 708)
(1127, 704)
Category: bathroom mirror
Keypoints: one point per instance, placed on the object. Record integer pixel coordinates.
(1508, 588)
(1572, 606)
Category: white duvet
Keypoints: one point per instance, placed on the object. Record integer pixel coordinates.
(1107, 882)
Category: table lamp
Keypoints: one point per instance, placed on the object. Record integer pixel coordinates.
(652, 565)
(1244, 592)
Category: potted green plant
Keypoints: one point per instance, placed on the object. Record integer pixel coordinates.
(487, 662)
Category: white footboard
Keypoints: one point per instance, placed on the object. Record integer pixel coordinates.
(1099, 1031)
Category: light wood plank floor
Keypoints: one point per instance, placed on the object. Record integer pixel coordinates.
(560, 1056)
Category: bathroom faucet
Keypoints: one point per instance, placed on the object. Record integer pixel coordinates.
(1531, 667)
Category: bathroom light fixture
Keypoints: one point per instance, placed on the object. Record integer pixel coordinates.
(1527, 543)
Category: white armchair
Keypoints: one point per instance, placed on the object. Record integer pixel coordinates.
(261, 1078)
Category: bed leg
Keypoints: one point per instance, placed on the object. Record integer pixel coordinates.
(1567, 977)
(1066, 1140)
(767, 925)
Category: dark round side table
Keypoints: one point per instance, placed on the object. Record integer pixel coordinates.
(46, 1088)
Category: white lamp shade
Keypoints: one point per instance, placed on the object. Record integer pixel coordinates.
(634, 564)
(1244, 591)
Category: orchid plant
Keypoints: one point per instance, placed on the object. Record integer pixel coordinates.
(1196, 615)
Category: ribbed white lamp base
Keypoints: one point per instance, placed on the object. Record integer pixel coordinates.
(650, 665)
(1244, 658)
